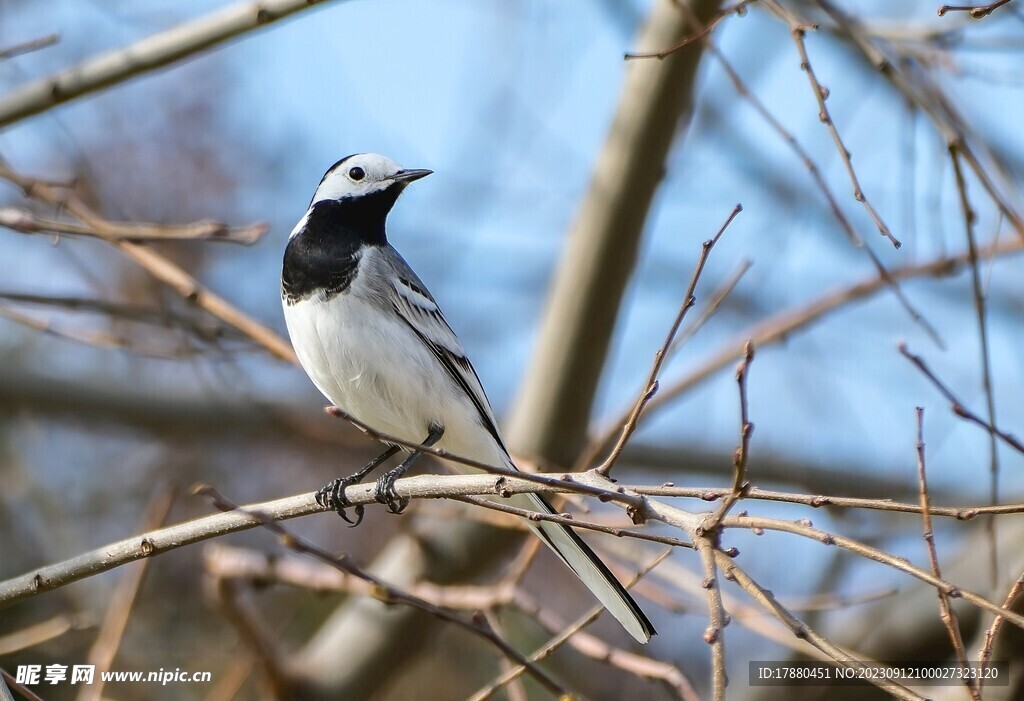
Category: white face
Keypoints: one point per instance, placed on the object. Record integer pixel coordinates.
(359, 175)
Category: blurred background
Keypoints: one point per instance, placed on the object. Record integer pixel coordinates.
(107, 408)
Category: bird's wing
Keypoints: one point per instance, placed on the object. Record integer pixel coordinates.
(416, 307)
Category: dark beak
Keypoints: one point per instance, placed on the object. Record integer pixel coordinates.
(407, 176)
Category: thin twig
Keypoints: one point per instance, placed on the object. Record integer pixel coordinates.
(787, 136)
(855, 238)
(976, 11)
(572, 522)
(651, 385)
(981, 311)
(946, 613)
(204, 328)
(737, 9)
(96, 339)
(595, 446)
(717, 298)
(718, 619)
(29, 46)
(821, 93)
(817, 501)
(956, 406)
(739, 473)
(992, 634)
(26, 222)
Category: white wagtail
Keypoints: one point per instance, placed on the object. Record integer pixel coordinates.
(375, 343)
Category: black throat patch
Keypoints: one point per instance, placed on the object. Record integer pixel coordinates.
(323, 258)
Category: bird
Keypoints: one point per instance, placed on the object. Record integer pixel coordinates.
(374, 341)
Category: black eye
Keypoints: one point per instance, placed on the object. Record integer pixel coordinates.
(357, 173)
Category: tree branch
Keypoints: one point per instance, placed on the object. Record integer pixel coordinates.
(153, 52)
(26, 222)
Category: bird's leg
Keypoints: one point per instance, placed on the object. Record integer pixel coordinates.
(332, 496)
(384, 492)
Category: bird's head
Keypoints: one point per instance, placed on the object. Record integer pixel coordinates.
(364, 174)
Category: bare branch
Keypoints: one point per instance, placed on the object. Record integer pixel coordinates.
(29, 46)
(1012, 602)
(821, 93)
(26, 222)
(717, 298)
(651, 385)
(981, 311)
(976, 11)
(946, 613)
(153, 52)
(714, 634)
(737, 9)
(420, 487)
(956, 405)
(960, 513)
(571, 521)
(739, 473)
(98, 339)
(614, 494)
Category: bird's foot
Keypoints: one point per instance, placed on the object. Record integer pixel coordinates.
(332, 496)
(384, 491)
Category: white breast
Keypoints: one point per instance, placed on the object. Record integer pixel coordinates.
(369, 363)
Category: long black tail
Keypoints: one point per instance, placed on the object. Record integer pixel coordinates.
(588, 567)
